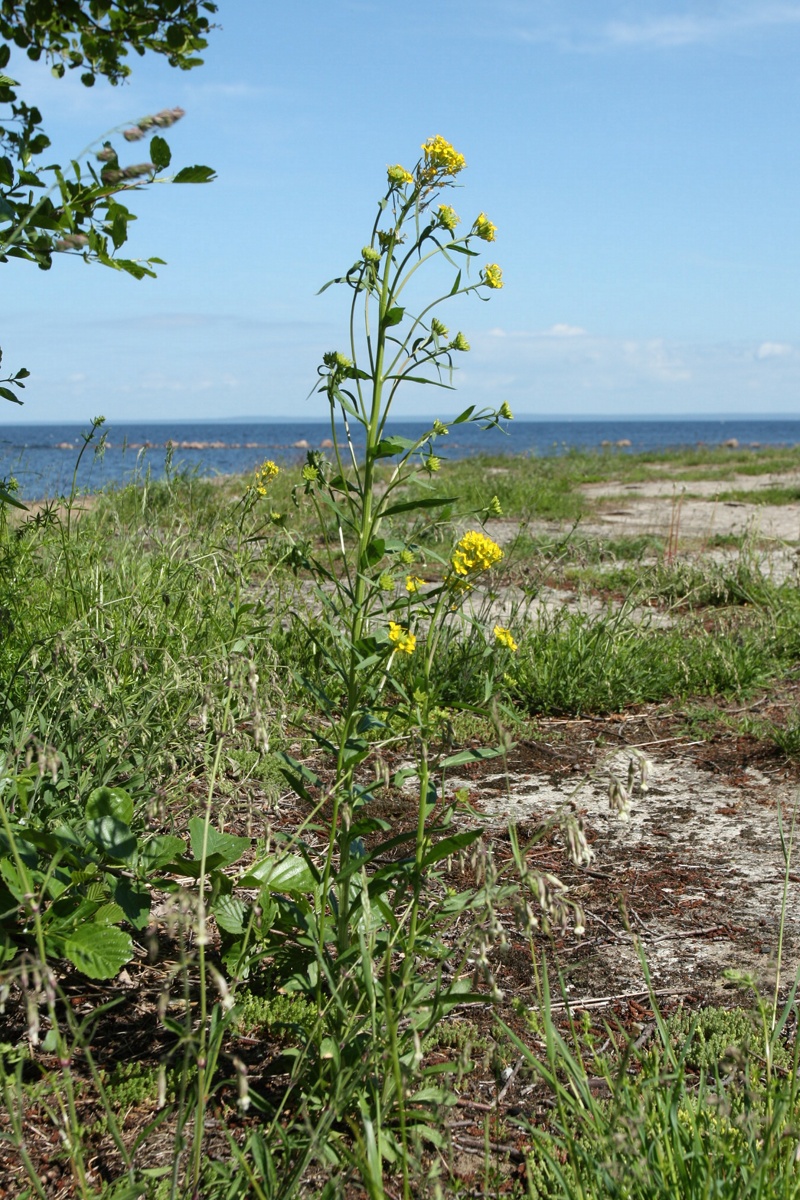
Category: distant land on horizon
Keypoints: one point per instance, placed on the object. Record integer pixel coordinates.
(538, 418)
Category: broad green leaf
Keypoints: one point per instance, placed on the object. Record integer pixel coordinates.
(280, 873)
(394, 316)
(222, 849)
(231, 914)
(464, 416)
(388, 447)
(195, 175)
(13, 880)
(99, 951)
(368, 721)
(158, 852)
(109, 802)
(133, 898)
(108, 914)
(375, 552)
(160, 153)
(113, 836)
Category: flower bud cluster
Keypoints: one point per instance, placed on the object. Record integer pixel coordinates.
(135, 171)
(159, 120)
(72, 241)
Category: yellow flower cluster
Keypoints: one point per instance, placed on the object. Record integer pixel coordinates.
(475, 552)
(484, 228)
(441, 158)
(448, 217)
(492, 275)
(402, 641)
(503, 637)
(264, 477)
(399, 175)
(413, 583)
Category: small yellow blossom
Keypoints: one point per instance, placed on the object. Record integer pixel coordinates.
(475, 552)
(492, 275)
(413, 583)
(264, 476)
(494, 507)
(370, 254)
(503, 637)
(439, 428)
(402, 641)
(484, 228)
(399, 175)
(448, 217)
(386, 582)
(506, 412)
(441, 158)
(433, 462)
(439, 328)
(407, 557)
(459, 342)
(310, 474)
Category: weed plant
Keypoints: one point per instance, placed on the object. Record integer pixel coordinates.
(176, 653)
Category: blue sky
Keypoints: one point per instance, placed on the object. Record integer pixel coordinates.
(641, 161)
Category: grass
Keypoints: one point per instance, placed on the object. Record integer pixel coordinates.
(161, 641)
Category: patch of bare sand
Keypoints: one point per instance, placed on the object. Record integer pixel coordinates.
(699, 857)
(693, 509)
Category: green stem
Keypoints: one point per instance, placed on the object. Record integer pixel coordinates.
(202, 1048)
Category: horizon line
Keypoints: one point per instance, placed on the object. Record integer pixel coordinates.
(530, 418)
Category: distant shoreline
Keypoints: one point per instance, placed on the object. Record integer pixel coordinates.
(520, 419)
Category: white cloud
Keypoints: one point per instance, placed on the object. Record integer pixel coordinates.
(540, 372)
(691, 29)
(562, 330)
(570, 28)
(773, 350)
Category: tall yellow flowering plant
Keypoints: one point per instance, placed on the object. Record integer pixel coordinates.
(376, 638)
(392, 345)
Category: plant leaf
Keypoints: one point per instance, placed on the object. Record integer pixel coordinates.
(222, 849)
(388, 447)
(408, 505)
(99, 951)
(158, 852)
(467, 756)
(451, 845)
(286, 873)
(195, 175)
(113, 836)
(231, 914)
(109, 802)
(160, 153)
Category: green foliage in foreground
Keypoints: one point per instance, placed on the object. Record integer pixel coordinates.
(708, 1108)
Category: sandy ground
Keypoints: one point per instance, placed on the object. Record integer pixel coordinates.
(693, 510)
(708, 841)
(723, 842)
